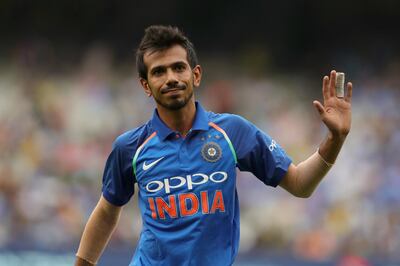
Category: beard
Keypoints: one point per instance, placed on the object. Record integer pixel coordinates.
(177, 102)
(174, 103)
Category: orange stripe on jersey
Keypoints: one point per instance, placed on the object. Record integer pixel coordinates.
(216, 127)
(138, 151)
(227, 139)
(147, 140)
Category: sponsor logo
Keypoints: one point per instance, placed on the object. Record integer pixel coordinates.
(189, 181)
(272, 146)
(150, 165)
(186, 202)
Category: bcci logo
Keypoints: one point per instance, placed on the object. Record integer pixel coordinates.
(211, 152)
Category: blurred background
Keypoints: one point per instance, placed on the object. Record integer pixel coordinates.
(68, 87)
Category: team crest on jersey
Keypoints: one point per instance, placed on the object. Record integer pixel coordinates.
(211, 152)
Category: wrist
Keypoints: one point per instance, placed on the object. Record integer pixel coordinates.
(330, 147)
(338, 137)
(83, 262)
(328, 164)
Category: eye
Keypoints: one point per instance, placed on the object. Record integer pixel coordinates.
(180, 67)
(157, 72)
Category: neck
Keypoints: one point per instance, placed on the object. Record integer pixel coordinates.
(178, 120)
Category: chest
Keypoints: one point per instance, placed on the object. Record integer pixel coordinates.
(201, 161)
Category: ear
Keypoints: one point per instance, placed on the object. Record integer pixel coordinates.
(197, 75)
(146, 87)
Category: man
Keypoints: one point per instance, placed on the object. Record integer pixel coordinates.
(184, 163)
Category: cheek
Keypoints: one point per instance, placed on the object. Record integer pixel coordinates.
(155, 84)
(187, 77)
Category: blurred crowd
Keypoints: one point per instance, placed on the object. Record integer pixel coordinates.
(57, 128)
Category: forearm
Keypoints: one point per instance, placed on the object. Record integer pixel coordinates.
(97, 233)
(309, 174)
(302, 180)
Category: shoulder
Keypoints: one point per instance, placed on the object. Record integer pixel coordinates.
(243, 134)
(228, 119)
(231, 122)
(131, 139)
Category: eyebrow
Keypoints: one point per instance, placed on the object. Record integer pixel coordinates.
(170, 65)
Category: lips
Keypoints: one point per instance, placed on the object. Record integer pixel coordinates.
(173, 89)
(170, 90)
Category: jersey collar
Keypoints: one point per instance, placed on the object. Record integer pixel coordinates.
(163, 131)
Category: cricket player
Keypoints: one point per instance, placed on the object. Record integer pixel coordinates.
(184, 159)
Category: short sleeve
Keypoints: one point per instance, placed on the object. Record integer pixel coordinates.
(258, 153)
(118, 177)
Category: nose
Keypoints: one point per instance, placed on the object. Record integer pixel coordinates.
(171, 78)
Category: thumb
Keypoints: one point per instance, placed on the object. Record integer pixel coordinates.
(319, 107)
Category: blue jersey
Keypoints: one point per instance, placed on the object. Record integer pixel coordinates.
(187, 185)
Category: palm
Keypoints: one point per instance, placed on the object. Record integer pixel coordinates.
(335, 112)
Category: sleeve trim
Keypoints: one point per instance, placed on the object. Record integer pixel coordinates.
(111, 199)
(280, 173)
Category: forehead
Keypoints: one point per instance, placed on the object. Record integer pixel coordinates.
(165, 57)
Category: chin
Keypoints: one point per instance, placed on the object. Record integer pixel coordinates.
(175, 103)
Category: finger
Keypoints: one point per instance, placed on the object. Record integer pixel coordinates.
(325, 88)
(319, 107)
(332, 83)
(349, 92)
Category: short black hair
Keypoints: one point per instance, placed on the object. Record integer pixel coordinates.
(158, 38)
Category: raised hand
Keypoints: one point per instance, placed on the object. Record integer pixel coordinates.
(335, 112)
